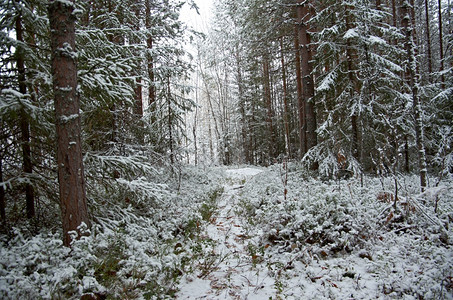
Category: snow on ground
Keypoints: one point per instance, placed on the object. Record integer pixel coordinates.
(249, 233)
(326, 240)
(235, 273)
(243, 173)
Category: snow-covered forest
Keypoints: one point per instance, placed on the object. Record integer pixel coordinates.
(290, 149)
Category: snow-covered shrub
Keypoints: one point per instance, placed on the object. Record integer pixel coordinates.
(132, 252)
(40, 267)
(322, 214)
(335, 239)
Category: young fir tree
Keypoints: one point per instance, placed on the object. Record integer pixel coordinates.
(27, 133)
(357, 83)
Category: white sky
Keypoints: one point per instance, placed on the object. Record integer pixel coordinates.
(198, 22)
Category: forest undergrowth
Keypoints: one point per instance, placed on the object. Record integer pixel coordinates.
(345, 239)
(350, 239)
(138, 247)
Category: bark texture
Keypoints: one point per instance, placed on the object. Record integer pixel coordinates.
(300, 98)
(285, 101)
(270, 113)
(149, 45)
(303, 16)
(2, 194)
(69, 151)
(411, 70)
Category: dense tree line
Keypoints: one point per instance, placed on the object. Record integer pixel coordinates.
(128, 72)
(345, 86)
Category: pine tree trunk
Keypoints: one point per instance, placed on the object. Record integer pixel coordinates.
(441, 44)
(149, 45)
(413, 84)
(24, 123)
(267, 95)
(137, 73)
(407, 165)
(137, 122)
(394, 14)
(2, 194)
(68, 124)
(300, 97)
(303, 16)
(351, 56)
(245, 144)
(285, 102)
(428, 40)
(170, 122)
(138, 108)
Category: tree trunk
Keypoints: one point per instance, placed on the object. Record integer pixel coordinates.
(195, 122)
(267, 95)
(170, 122)
(441, 44)
(138, 97)
(194, 132)
(394, 14)
(300, 97)
(214, 118)
(428, 40)
(304, 15)
(137, 121)
(24, 123)
(245, 144)
(2, 194)
(149, 45)
(85, 20)
(68, 124)
(351, 56)
(413, 84)
(285, 101)
(137, 73)
(407, 164)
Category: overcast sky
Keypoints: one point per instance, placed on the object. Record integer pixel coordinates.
(190, 16)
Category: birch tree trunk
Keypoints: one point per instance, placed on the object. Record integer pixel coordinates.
(68, 126)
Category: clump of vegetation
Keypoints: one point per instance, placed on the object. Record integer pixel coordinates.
(139, 248)
(324, 223)
(209, 207)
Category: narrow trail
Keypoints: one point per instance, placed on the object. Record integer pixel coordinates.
(235, 273)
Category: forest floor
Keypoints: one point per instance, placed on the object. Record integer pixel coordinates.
(233, 271)
(352, 245)
(245, 233)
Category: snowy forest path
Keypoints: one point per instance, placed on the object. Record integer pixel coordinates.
(234, 271)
